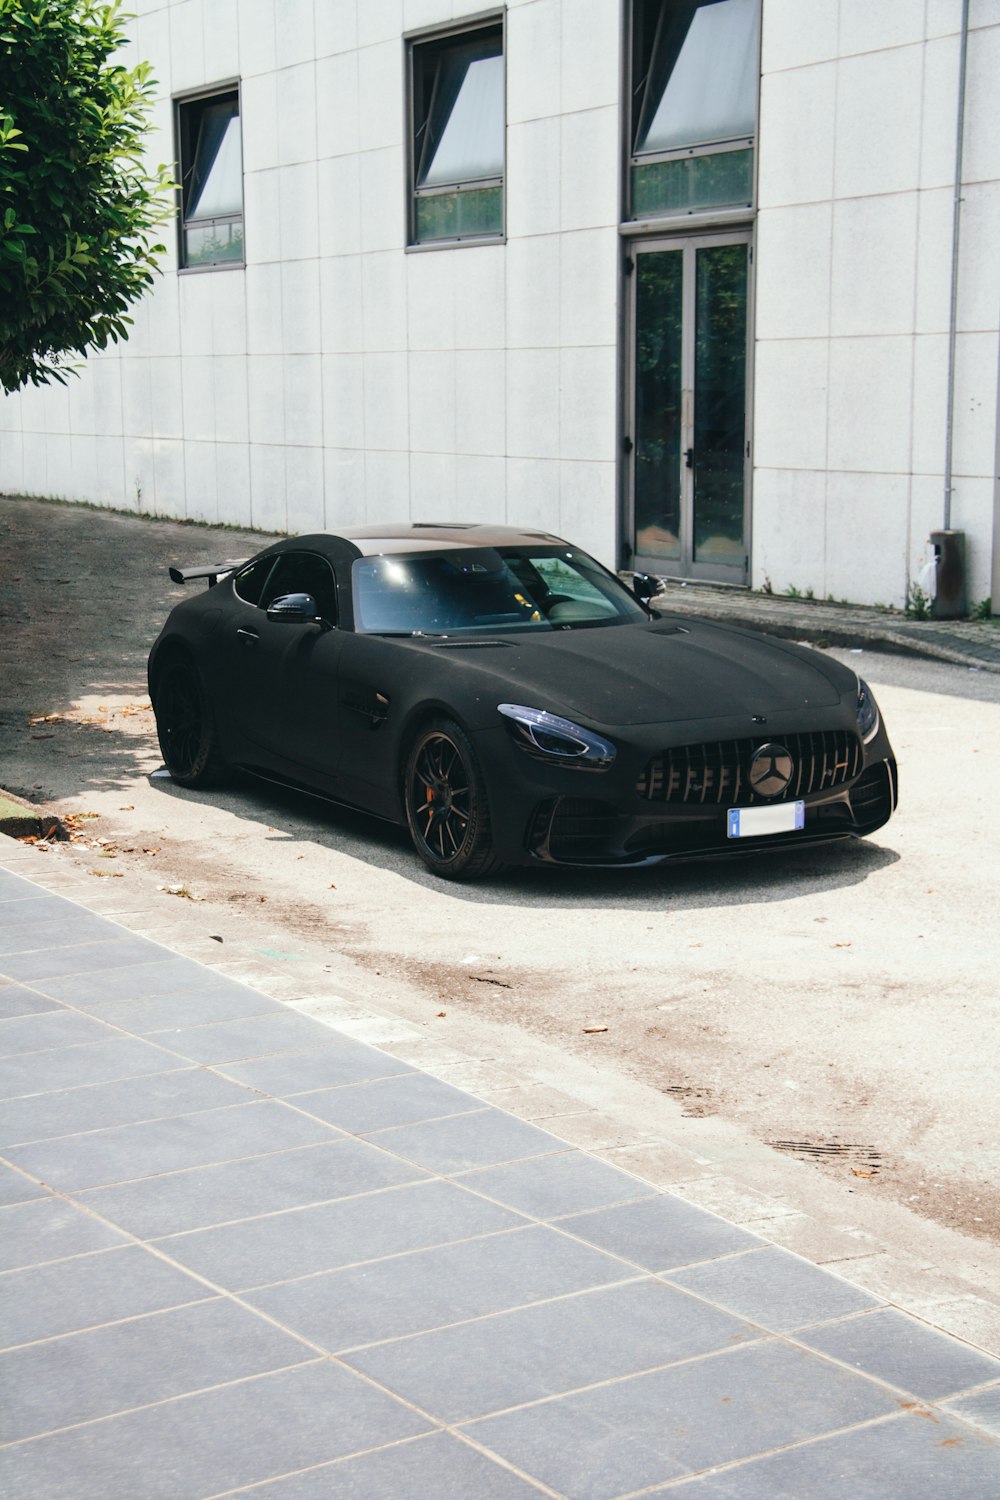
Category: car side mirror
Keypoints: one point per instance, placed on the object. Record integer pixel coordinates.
(293, 609)
(645, 587)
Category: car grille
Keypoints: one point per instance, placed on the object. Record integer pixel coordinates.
(716, 772)
(570, 828)
(872, 797)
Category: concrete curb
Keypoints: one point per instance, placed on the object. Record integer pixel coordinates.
(20, 820)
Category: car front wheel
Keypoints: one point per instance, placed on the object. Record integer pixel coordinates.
(185, 725)
(446, 807)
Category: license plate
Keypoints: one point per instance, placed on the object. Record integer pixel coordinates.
(751, 822)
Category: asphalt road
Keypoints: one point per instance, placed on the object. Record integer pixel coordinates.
(839, 1004)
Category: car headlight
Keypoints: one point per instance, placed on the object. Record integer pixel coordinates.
(554, 739)
(867, 711)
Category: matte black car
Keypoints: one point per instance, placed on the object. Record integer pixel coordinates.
(512, 702)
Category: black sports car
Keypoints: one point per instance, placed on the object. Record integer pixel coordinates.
(512, 702)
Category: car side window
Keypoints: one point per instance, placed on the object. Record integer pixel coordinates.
(303, 573)
(249, 581)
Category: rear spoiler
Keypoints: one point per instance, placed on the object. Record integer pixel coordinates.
(212, 571)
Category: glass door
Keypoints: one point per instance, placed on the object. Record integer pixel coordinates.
(688, 431)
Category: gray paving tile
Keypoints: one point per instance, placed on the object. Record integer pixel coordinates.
(105, 1370)
(340, 1062)
(15, 1188)
(157, 1013)
(982, 1408)
(373, 1106)
(299, 1242)
(551, 1186)
(123, 1102)
(775, 1289)
(31, 1233)
(44, 935)
(908, 1458)
(904, 1352)
(62, 1028)
(662, 1232)
(17, 1000)
(14, 888)
(476, 1140)
(438, 1467)
(48, 1301)
(478, 1368)
(254, 1036)
(162, 975)
(126, 1153)
(634, 1433)
(84, 958)
(431, 1288)
(202, 1196)
(89, 1062)
(40, 906)
(212, 1442)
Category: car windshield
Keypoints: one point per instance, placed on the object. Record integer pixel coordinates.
(488, 589)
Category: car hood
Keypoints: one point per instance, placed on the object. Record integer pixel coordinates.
(645, 674)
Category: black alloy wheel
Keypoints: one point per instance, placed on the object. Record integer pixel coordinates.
(446, 807)
(185, 726)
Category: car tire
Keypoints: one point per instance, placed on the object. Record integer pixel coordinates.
(446, 807)
(185, 725)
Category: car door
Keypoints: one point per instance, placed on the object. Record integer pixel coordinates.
(283, 685)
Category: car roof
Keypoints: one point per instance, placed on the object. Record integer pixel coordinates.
(417, 536)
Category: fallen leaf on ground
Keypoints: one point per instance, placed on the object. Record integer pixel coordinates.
(442, 1012)
(595, 1028)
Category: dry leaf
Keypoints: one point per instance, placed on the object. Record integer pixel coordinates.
(595, 1028)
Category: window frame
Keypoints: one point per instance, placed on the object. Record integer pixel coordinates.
(459, 30)
(716, 146)
(181, 102)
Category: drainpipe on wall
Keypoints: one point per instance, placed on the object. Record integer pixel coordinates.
(949, 600)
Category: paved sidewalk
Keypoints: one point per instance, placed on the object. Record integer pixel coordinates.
(968, 643)
(242, 1249)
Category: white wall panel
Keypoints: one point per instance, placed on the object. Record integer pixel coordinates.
(294, 32)
(533, 292)
(231, 399)
(337, 105)
(534, 46)
(229, 313)
(796, 33)
(872, 507)
(430, 301)
(790, 401)
(870, 404)
(533, 403)
(300, 307)
(258, 41)
(298, 207)
(379, 21)
(222, 39)
(111, 488)
(343, 400)
(268, 509)
(533, 492)
(166, 391)
(387, 486)
(587, 403)
(344, 487)
(197, 382)
(586, 508)
(797, 114)
(793, 253)
(432, 402)
(168, 476)
(877, 147)
(481, 402)
(481, 489)
(187, 45)
(534, 166)
(433, 494)
(588, 284)
(304, 489)
(338, 195)
(789, 504)
(200, 481)
(386, 417)
(873, 264)
(232, 482)
(930, 402)
(588, 194)
(865, 27)
(384, 291)
(380, 94)
(266, 399)
(336, 26)
(301, 382)
(295, 99)
(341, 306)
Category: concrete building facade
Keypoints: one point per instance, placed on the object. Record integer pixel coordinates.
(678, 280)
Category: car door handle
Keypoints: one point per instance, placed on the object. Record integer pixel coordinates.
(247, 637)
(689, 457)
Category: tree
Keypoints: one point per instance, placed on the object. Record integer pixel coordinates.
(79, 210)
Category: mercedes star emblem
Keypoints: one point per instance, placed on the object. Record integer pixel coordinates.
(770, 770)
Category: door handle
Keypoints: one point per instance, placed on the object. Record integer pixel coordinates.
(247, 637)
(689, 458)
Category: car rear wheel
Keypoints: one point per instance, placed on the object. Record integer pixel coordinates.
(185, 726)
(446, 806)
